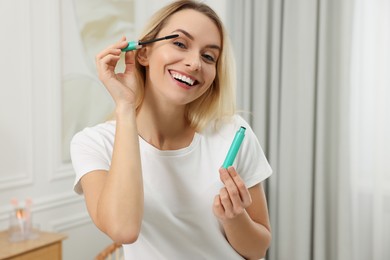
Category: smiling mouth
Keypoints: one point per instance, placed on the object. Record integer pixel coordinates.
(184, 79)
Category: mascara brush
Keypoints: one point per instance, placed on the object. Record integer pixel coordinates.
(134, 45)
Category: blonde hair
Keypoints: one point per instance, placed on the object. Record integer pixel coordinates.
(219, 101)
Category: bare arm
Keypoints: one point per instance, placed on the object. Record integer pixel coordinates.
(115, 198)
(243, 214)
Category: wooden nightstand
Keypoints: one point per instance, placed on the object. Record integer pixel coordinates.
(48, 246)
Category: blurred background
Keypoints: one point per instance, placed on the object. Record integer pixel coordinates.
(313, 81)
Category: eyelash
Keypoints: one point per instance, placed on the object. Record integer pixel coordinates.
(209, 58)
(181, 45)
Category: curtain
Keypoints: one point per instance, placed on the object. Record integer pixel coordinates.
(313, 81)
(370, 129)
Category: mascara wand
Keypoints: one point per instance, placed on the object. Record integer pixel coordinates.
(134, 45)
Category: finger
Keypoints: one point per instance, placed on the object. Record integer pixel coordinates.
(108, 58)
(122, 43)
(226, 202)
(224, 175)
(230, 184)
(241, 187)
(129, 61)
(232, 189)
(218, 209)
(107, 61)
(115, 48)
(107, 52)
(106, 68)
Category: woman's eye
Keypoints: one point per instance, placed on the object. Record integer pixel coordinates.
(209, 58)
(180, 45)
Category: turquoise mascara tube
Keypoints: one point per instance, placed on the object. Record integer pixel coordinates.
(234, 147)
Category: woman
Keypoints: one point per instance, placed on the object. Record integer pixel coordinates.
(152, 178)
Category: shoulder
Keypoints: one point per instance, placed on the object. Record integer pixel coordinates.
(97, 133)
(91, 150)
(227, 126)
(221, 134)
(250, 162)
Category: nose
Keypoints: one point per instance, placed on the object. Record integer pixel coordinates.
(193, 62)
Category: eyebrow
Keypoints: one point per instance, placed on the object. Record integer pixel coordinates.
(212, 46)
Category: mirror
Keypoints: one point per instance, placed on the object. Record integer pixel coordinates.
(88, 26)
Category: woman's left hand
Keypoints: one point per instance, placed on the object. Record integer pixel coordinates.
(233, 198)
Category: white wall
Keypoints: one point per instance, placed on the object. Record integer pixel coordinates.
(31, 70)
(30, 105)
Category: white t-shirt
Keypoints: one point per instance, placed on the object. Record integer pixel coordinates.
(179, 188)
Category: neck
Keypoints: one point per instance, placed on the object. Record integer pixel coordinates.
(164, 127)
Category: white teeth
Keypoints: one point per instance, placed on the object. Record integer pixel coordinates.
(183, 78)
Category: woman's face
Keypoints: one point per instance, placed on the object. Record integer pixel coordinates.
(180, 70)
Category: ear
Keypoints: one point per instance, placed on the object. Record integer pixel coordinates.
(142, 56)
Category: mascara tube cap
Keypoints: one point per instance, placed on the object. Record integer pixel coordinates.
(133, 45)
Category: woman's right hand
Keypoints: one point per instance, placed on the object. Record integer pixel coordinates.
(122, 86)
